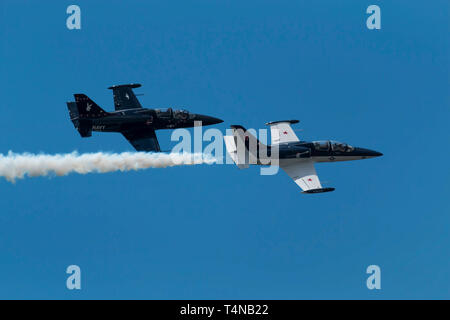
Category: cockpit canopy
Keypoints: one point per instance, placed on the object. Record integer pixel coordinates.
(169, 113)
(181, 114)
(334, 145)
(164, 113)
(341, 146)
(322, 145)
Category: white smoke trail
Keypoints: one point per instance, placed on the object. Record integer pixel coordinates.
(17, 166)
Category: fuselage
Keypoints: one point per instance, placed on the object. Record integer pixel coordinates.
(123, 120)
(318, 151)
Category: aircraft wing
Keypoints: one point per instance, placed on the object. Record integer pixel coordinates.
(281, 131)
(143, 140)
(305, 176)
(124, 97)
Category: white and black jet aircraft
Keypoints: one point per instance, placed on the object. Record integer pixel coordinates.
(295, 157)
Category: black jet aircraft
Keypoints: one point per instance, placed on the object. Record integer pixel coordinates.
(295, 157)
(137, 124)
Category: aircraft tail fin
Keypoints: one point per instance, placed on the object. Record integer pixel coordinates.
(84, 126)
(73, 110)
(88, 108)
(246, 136)
(231, 146)
(243, 147)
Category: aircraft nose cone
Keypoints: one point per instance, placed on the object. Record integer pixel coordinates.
(369, 153)
(377, 154)
(207, 120)
(213, 120)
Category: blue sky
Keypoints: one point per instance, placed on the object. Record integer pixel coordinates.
(216, 232)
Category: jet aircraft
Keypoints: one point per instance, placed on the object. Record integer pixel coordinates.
(137, 124)
(295, 157)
